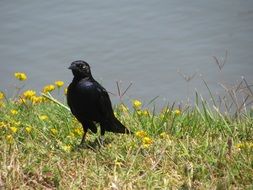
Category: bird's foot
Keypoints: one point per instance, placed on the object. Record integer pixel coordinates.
(98, 143)
(85, 145)
(82, 145)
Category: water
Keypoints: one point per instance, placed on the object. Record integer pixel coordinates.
(144, 42)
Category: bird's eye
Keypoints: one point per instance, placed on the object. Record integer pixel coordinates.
(82, 66)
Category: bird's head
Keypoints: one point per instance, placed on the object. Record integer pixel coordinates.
(80, 69)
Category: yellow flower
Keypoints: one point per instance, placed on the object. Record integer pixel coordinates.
(54, 131)
(20, 76)
(141, 134)
(244, 145)
(59, 83)
(36, 99)
(142, 112)
(145, 112)
(14, 129)
(9, 138)
(177, 112)
(2, 124)
(43, 117)
(66, 148)
(29, 94)
(1, 95)
(14, 112)
(28, 129)
(147, 140)
(65, 91)
(79, 131)
(137, 104)
(48, 88)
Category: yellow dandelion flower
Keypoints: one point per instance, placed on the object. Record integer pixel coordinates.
(177, 112)
(48, 88)
(1, 95)
(36, 99)
(14, 129)
(244, 145)
(239, 145)
(141, 134)
(54, 131)
(29, 94)
(59, 83)
(43, 117)
(28, 129)
(14, 112)
(142, 112)
(2, 124)
(66, 148)
(145, 112)
(78, 131)
(9, 138)
(147, 140)
(20, 76)
(136, 104)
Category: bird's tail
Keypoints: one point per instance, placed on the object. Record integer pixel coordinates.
(118, 127)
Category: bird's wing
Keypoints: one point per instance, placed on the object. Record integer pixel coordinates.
(94, 100)
(110, 122)
(104, 102)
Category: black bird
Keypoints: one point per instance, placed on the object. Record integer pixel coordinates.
(89, 102)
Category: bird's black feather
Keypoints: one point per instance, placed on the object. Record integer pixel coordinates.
(89, 102)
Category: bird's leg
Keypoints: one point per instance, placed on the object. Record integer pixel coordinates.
(101, 138)
(83, 139)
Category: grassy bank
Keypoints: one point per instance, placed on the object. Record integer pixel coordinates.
(175, 148)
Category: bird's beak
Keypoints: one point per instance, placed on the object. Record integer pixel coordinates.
(71, 67)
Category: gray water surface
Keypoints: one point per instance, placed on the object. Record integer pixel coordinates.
(144, 42)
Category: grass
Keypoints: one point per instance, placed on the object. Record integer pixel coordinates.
(187, 148)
